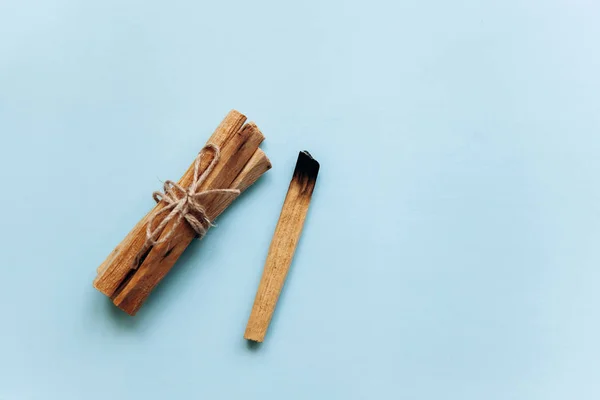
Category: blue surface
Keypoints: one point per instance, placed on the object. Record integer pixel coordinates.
(451, 251)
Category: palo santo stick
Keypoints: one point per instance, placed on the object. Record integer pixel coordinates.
(117, 266)
(122, 256)
(283, 246)
(258, 165)
(236, 153)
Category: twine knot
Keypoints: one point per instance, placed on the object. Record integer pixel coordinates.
(183, 204)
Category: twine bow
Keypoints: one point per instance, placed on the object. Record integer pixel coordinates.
(183, 204)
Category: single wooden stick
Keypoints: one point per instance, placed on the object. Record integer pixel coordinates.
(236, 153)
(258, 165)
(283, 246)
(115, 269)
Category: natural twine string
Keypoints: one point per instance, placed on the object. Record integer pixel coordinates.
(183, 204)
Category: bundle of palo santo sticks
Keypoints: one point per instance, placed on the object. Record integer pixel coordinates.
(133, 269)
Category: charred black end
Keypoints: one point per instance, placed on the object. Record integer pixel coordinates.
(306, 167)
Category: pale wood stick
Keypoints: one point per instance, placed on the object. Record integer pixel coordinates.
(117, 266)
(236, 153)
(258, 165)
(283, 245)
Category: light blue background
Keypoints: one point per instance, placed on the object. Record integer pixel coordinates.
(452, 248)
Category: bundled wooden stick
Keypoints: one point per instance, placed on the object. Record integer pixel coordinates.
(127, 282)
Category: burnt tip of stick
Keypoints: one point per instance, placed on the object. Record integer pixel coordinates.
(306, 166)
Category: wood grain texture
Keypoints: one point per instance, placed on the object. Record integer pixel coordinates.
(283, 245)
(258, 165)
(115, 269)
(235, 155)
